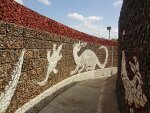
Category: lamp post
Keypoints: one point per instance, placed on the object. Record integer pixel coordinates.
(109, 28)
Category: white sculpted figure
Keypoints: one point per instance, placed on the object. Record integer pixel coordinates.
(88, 59)
(6, 96)
(133, 88)
(52, 63)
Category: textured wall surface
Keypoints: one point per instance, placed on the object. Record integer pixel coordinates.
(46, 57)
(39, 56)
(12, 12)
(133, 84)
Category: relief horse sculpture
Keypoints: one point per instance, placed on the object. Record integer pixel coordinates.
(133, 88)
(52, 63)
(6, 96)
(88, 59)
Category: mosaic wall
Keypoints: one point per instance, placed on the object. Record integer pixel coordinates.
(33, 61)
(13, 12)
(133, 84)
(39, 56)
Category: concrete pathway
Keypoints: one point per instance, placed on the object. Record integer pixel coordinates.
(90, 96)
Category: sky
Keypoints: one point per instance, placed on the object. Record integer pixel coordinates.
(88, 16)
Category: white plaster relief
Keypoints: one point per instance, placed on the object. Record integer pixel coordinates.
(133, 88)
(76, 78)
(88, 59)
(52, 63)
(6, 96)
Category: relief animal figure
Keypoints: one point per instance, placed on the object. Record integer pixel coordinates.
(52, 63)
(6, 96)
(133, 88)
(88, 59)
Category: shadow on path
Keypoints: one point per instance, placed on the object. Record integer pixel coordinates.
(109, 102)
(84, 96)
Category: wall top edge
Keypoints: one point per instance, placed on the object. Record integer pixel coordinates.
(13, 12)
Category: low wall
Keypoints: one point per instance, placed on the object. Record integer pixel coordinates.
(133, 84)
(37, 60)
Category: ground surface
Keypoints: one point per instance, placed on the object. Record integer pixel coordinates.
(90, 96)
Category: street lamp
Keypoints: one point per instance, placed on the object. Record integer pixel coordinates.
(109, 28)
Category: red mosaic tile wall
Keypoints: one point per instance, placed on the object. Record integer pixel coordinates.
(12, 12)
(25, 33)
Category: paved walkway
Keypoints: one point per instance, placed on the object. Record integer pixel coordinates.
(90, 96)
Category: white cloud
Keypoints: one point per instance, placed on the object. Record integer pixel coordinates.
(90, 25)
(76, 16)
(94, 18)
(80, 17)
(98, 31)
(19, 1)
(85, 22)
(118, 3)
(46, 2)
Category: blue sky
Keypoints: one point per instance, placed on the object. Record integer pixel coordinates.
(89, 16)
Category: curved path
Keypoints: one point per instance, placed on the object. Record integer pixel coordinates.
(90, 96)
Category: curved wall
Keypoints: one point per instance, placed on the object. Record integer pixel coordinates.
(39, 56)
(13, 12)
(133, 84)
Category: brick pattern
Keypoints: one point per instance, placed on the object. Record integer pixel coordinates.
(134, 40)
(13, 38)
(13, 12)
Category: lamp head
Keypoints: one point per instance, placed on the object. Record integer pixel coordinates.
(109, 28)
